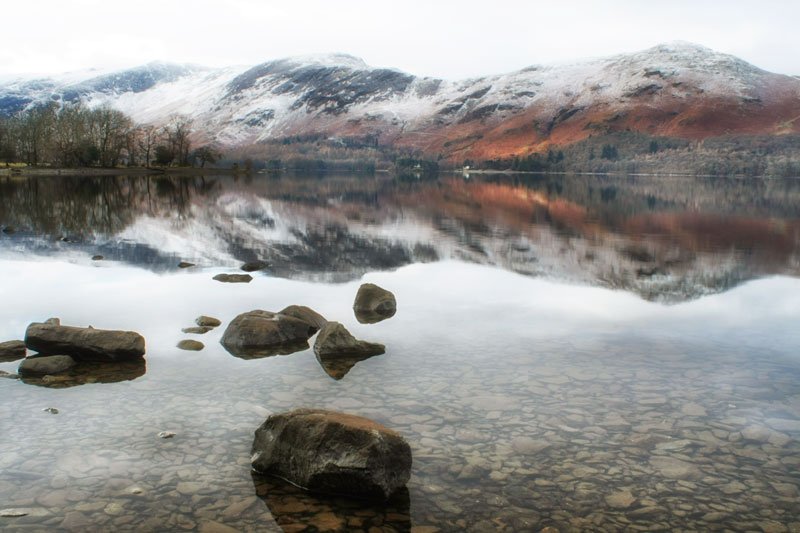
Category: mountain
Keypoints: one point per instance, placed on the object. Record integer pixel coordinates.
(677, 90)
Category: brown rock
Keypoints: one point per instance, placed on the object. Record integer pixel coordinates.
(234, 278)
(11, 351)
(306, 314)
(338, 351)
(330, 452)
(254, 266)
(263, 333)
(192, 345)
(207, 321)
(373, 304)
(198, 330)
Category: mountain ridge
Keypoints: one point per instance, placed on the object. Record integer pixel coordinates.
(675, 89)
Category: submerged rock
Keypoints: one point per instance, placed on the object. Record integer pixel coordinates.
(335, 340)
(254, 266)
(207, 321)
(306, 314)
(331, 452)
(261, 333)
(234, 278)
(51, 364)
(11, 351)
(192, 345)
(84, 343)
(373, 304)
(290, 505)
(199, 330)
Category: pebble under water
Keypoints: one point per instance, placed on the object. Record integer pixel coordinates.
(528, 405)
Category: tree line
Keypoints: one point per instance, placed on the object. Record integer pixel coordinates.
(78, 136)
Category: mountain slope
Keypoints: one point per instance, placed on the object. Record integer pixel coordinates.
(678, 90)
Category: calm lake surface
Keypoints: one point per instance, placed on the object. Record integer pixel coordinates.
(570, 352)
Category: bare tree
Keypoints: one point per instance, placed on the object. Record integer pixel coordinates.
(34, 128)
(177, 133)
(147, 138)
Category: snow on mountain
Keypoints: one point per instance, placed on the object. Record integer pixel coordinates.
(677, 89)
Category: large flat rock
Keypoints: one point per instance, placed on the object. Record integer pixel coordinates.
(84, 343)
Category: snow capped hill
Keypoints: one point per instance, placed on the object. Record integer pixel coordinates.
(676, 89)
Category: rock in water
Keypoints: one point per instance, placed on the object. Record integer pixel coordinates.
(11, 351)
(330, 452)
(306, 314)
(199, 330)
(338, 351)
(234, 278)
(191, 345)
(254, 266)
(261, 333)
(334, 339)
(373, 304)
(52, 364)
(185, 264)
(207, 321)
(84, 343)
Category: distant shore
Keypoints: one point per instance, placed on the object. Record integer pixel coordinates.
(94, 171)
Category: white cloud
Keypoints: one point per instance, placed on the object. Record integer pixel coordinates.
(444, 38)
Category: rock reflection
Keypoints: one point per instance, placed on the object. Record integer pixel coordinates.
(663, 239)
(372, 317)
(260, 353)
(294, 509)
(337, 366)
(85, 373)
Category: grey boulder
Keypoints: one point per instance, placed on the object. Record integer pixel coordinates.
(331, 452)
(84, 343)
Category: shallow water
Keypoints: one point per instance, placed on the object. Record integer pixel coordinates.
(529, 402)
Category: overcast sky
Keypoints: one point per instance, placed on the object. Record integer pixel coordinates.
(451, 39)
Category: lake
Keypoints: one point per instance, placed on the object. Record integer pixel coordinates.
(570, 353)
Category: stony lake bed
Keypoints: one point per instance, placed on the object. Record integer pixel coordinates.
(530, 403)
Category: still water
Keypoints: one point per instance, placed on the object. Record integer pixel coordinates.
(569, 352)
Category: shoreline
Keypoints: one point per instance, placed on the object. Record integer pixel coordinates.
(99, 172)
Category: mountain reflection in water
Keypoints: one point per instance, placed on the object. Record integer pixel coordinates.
(664, 239)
